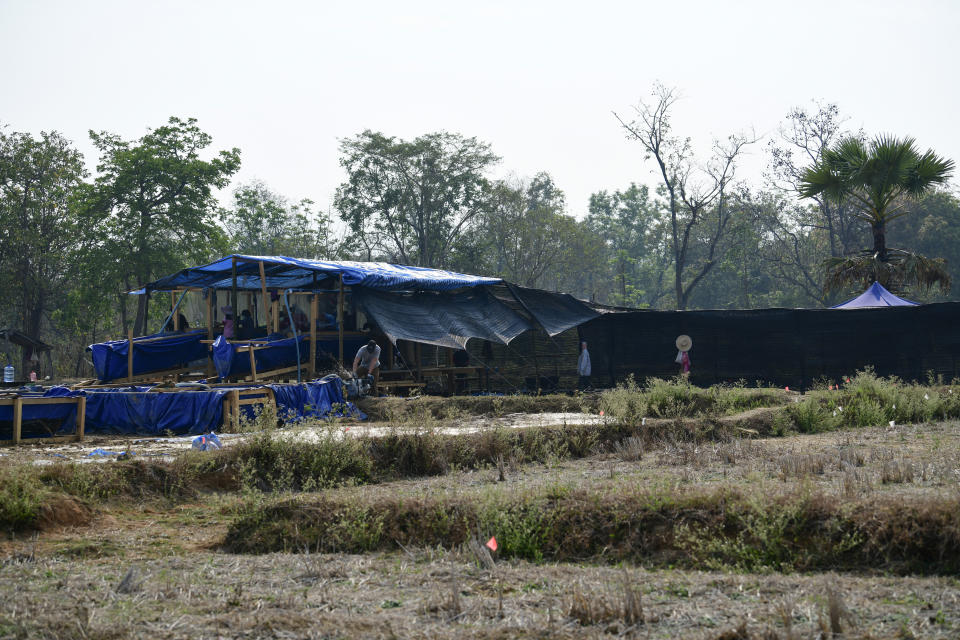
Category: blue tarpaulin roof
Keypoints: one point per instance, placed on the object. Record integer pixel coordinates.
(283, 272)
(875, 296)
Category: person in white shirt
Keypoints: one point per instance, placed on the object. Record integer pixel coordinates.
(368, 362)
(583, 367)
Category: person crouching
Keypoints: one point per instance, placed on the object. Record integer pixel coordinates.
(367, 363)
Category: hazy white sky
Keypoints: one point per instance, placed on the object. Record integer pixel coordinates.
(283, 81)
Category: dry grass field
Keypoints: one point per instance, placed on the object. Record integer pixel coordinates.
(723, 513)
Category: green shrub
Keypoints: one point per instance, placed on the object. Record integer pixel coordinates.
(21, 497)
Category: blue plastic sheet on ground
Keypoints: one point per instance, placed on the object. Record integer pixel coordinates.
(150, 353)
(98, 453)
(276, 355)
(207, 442)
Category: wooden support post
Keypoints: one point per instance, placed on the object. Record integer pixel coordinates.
(266, 298)
(17, 418)
(536, 362)
(275, 314)
(130, 355)
(417, 355)
(211, 294)
(227, 399)
(81, 416)
(314, 312)
(235, 413)
(173, 308)
(340, 319)
(253, 363)
(234, 301)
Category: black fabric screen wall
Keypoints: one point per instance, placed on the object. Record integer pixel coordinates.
(792, 347)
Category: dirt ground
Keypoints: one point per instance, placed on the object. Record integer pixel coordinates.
(157, 570)
(40, 452)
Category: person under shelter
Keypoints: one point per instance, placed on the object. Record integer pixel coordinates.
(367, 363)
(583, 367)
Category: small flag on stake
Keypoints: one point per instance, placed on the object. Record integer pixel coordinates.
(601, 411)
(786, 388)
(491, 544)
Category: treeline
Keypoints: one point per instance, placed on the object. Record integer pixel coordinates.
(72, 245)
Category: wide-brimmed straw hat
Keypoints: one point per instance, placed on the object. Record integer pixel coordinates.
(684, 342)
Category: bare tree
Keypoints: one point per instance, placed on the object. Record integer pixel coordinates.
(800, 144)
(696, 194)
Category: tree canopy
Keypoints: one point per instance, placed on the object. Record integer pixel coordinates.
(881, 179)
(412, 199)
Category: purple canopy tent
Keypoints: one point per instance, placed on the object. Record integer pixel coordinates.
(875, 296)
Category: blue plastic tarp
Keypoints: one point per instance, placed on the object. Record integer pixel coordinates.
(276, 355)
(283, 272)
(316, 399)
(150, 353)
(64, 414)
(136, 410)
(875, 296)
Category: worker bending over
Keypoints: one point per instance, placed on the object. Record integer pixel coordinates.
(367, 362)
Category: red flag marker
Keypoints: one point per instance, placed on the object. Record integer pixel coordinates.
(601, 412)
(786, 388)
(492, 544)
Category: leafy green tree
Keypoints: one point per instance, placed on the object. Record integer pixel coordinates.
(881, 178)
(154, 206)
(932, 230)
(526, 228)
(630, 225)
(262, 222)
(412, 199)
(38, 223)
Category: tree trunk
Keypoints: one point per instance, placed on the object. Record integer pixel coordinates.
(880, 240)
(32, 329)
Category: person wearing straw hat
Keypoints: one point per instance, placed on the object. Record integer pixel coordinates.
(684, 343)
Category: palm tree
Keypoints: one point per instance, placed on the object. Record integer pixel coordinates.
(879, 178)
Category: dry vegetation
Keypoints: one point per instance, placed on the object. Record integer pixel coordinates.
(721, 513)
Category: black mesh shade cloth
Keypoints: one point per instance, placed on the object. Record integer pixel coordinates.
(555, 312)
(443, 319)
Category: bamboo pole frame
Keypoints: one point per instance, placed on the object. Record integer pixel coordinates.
(340, 319)
(266, 298)
(234, 301)
(314, 312)
(211, 294)
(129, 355)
